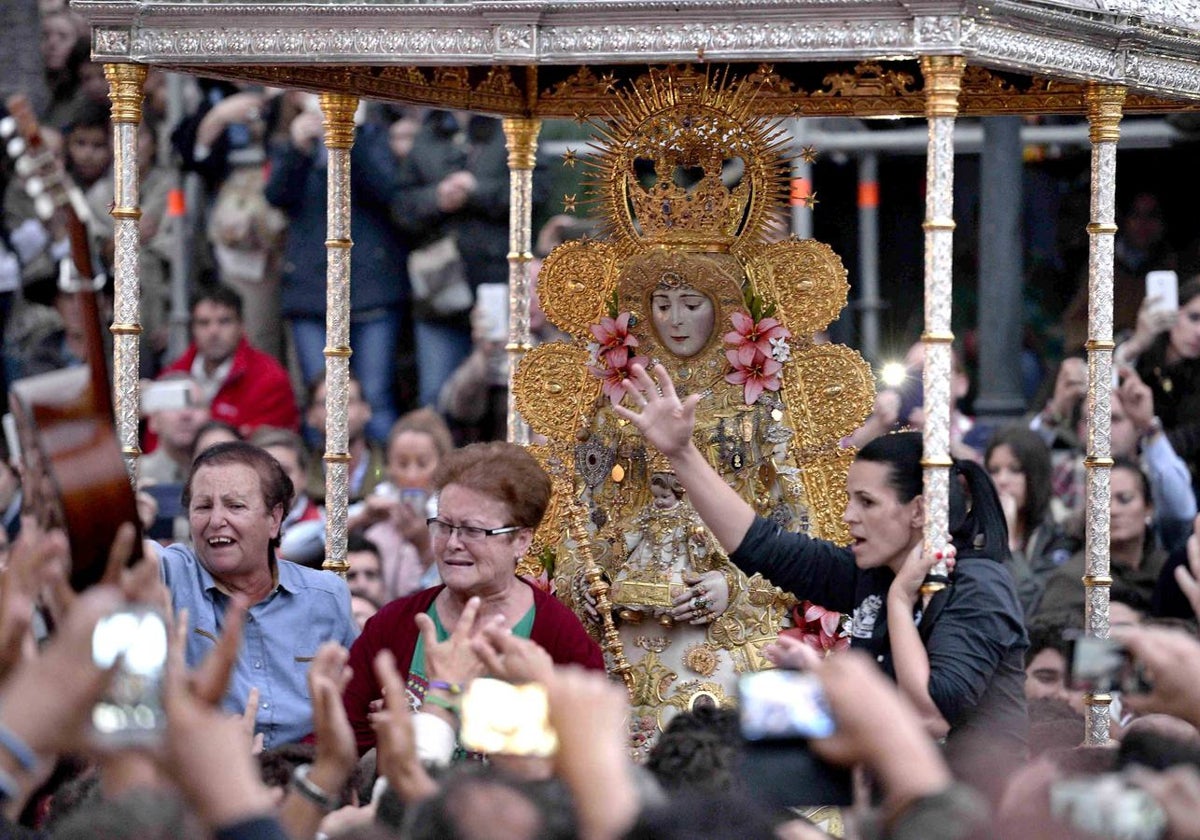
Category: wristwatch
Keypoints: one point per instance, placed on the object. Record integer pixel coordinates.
(1155, 428)
(311, 791)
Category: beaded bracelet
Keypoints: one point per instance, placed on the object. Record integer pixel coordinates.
(18, 749)
(441, 703)
(442, 685)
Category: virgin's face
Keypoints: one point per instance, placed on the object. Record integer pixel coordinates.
(1185, 335)
(683, 319)
(1007, 474)
(883, 528)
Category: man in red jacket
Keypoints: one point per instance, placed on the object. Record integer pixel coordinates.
(246, 387)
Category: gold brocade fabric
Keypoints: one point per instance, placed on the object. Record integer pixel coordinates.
(687, 253)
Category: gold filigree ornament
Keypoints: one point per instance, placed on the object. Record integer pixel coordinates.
(805, 278)
(702, 659)
(553, 389)
(574, 283)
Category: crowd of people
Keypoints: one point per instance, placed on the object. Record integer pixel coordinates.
(286, 701)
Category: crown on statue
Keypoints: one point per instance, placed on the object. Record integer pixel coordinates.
(718, 168)
(688, 202)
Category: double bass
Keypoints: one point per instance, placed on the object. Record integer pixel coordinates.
(74, 477)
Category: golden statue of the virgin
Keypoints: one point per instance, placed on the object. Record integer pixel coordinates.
(690, 185)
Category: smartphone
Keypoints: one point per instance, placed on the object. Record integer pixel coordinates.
(416, 499)
(1099, 666)
(1163, 285)
(134, 640)
(1107, 806)
(779, 705)
(170, 395)
(492, 298)
(503, 718)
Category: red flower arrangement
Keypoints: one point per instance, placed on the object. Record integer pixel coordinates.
(759, 348)
(819, 628)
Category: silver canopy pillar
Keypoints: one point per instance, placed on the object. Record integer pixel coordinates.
(1104, 109)
(126, 84)
(338, 110)
(943, 80)
(520, 136)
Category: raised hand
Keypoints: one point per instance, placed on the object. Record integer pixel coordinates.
(395, 741)
(664, 420)
(1188, 577)
(512, 658)
(455, 660)
(1170, 661)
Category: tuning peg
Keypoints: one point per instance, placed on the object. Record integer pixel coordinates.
(8, 127)
(16, 147)
(34, 186)
(44, 206)
(26, 166)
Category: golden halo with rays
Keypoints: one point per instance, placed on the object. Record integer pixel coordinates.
(690, 126)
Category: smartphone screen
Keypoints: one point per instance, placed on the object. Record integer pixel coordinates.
(783, 705)
(134, 640)
(1163, 285)
(499, 717)
(1099, 666)
(493, 300)
(1107, 806)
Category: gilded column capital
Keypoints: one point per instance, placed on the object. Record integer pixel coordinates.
(126, 85)
(338, 110)
(521, 136)
(943, 81)
(1105, 104)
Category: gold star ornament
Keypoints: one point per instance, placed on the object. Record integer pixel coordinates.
(569, 203)
(808, 154)
(569, 158)
(810, 200)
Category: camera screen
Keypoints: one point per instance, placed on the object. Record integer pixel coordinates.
(780, 704)
(1099, 666)
(135, 641)
(1107, 806)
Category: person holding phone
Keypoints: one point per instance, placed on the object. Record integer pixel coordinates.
(959, 659)
(1165, 352)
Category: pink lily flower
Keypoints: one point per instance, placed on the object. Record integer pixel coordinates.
(759, 373)
(757, 334)
(612, 334)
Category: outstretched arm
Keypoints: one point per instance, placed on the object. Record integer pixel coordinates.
(667, 423)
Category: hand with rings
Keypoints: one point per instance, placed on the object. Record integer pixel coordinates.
(706, 597)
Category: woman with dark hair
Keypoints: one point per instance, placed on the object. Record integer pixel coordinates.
(1135, 557)
(491, 498)
(959, 659)
(1018, 461)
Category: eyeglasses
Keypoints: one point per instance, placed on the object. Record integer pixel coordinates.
(440, 530)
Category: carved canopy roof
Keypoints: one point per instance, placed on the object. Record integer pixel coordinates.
(562, 57)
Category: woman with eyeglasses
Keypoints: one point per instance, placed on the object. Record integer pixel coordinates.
(491, 497)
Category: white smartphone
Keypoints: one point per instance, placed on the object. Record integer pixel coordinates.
(169, 395)
(1163, 285)
(493, 300)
